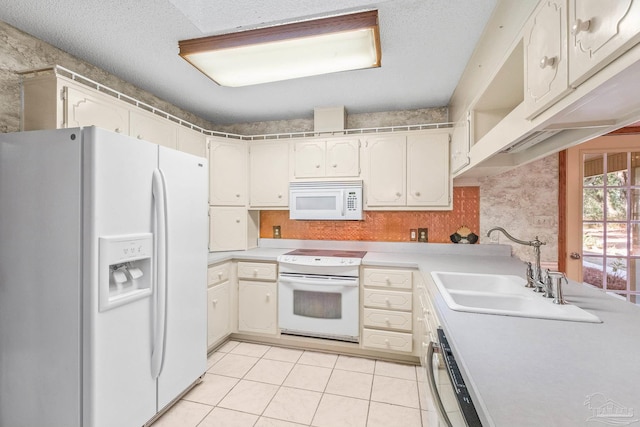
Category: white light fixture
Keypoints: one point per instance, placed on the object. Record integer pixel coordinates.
(289, 51)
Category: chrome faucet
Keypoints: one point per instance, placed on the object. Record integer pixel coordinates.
(537, 277)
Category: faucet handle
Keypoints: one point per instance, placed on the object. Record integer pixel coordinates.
(558, 274)
(530, 279)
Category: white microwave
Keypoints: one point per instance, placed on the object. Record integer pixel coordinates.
(328, 200)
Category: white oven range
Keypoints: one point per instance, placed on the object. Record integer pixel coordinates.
(318, 293)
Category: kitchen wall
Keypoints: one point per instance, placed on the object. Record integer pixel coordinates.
(524, 200)
(20, 51)
(386, 226)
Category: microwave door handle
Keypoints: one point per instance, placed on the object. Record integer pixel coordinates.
(342, 203)
(431, 350)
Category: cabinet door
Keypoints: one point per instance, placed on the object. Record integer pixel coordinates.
(192, 142)
(545, 58)
(428, 178)
(95, 109)
(309, 159)
(227, 229)
(460, 140)
(343, 157)
(600, 31)
(227, 172)
(218, 313)
(269, 174)
(385, 159)
(257, 307)
(146, 126)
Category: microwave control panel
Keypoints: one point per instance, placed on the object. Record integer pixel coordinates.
(352, 201)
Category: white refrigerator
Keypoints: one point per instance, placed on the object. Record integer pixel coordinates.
(103, 264)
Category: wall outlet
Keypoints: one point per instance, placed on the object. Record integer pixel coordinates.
(423, 235)
(413, 234)
(276, 232)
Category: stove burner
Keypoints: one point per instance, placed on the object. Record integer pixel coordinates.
(328, 253)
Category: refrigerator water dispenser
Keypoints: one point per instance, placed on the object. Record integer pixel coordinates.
(125, 269)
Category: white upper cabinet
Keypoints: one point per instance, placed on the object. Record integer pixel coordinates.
(321, 157)
(546, 67)
(192, 142)
(227, 172)
(407, 171)
(385, 166)
(147, 126)
(343, 157)
(268, 174)
(428, 178)
(600, 31)
(91, 108)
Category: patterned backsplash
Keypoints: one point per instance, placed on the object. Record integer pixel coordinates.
(383, 226)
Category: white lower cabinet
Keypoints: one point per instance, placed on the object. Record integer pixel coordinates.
(257, 297)
(387, 309)
(218, 304)
(257, 307)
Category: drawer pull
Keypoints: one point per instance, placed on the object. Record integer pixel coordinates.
(386, 320)
(268, 297)
(580, 25)
(215, 301)
(220, 274)
(386, 341)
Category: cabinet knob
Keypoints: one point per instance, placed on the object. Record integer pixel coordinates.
(317, 166)
(417, 193)
(268, 297)
(220, 274)
(580, 25)
(334, 165)
(215, 301)
(386, 320)
(118, 130)
(398, 194)
(139, 136)
(386, 300)
(255, 272)
(547, 62)
(386, 341)
(238, 220)
(237, 194)
(279, 196)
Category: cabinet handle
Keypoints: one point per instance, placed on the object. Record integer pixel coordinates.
(547, 62)
(580, 25)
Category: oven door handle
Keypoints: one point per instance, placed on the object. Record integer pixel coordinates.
(317, 282)
(431, 350)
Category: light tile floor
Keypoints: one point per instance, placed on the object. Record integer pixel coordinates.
(258, 385)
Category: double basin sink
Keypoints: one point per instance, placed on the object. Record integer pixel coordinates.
(502, 295)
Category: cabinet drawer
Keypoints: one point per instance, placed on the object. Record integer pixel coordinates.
(218, 274)
(257, 270)
(398, 341)
(388, 319)
(387, 278)
(377, 298)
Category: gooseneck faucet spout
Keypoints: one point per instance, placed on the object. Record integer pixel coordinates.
(536, 243)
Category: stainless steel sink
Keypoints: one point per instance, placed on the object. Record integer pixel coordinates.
(502, 295)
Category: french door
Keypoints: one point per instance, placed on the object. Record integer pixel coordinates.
(603, 214)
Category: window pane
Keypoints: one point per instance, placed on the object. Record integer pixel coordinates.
(617, 172)
(634, 275)
(616, 274)
(616, 239)
(592, 242)
(635, 204)
(592, 271)
(635, 168)
(635, 238)
(617, 204)
(593, 204)
(593, 170)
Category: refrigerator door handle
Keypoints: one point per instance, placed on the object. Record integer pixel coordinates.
(159, 321)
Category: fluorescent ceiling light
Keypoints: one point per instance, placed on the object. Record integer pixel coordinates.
(301, 49)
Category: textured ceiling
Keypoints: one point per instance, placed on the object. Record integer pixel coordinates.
(425, 47)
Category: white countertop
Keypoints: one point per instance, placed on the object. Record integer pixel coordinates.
(521, 371)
